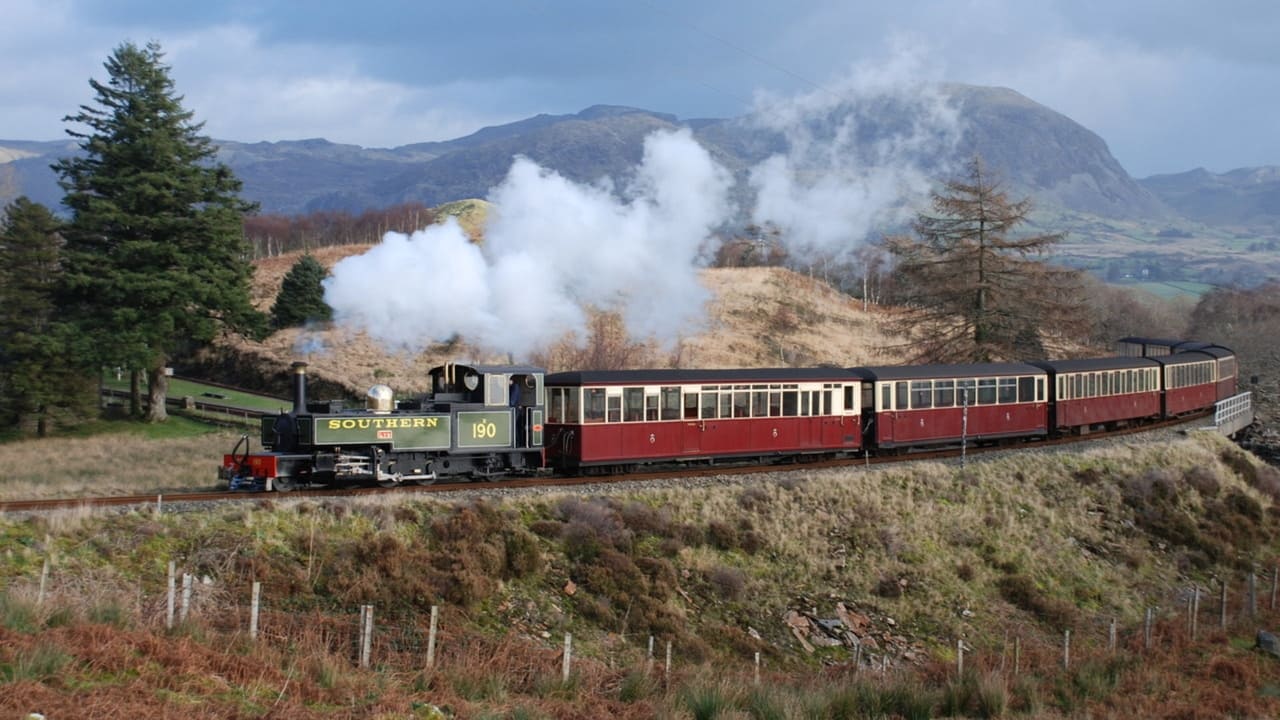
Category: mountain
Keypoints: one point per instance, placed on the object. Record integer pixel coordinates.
(1196, 226)
(1247, 197)
(1040, 152)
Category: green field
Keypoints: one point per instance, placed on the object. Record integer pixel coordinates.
(203, 393)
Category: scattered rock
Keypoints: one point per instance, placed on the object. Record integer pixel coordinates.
(1267, 643)
(570, 588)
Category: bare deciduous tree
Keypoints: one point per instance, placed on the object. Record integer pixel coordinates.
(974, 292)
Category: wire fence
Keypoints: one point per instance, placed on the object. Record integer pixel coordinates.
(421, 641)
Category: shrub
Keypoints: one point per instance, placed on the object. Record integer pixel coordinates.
(888, 587)
(1203, 481)
(1022, 592)
(728, 582)
(722, 535)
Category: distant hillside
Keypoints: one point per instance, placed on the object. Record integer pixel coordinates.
(1248, 197)
(1039, 151)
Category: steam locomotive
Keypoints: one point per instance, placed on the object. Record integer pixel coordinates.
(477, 421)
(486, 421)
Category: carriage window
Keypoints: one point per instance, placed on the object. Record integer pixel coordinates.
(944, 393)
(759, 404)
(691, 406)
(710, 402)
(650, 407)
(571, 403)
(790, 403)
(1027, 389)
(775, 403)
(633, 401)
(615, 408)
(593, 405)
(555, 408)
(741, 404)
(921, 394)
(966, 392)
(902, 396)
(886, 397)
(1008, 390)
(670, 403)
(826, 402)
(986, 391)
(1040, 383)
(1062, 388)
(804, 404)
(726, 404)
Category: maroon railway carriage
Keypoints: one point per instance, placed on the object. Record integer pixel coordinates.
(943, 404)
(1100, 393)
(622, 418)
(1190, 382)
(1227, 372)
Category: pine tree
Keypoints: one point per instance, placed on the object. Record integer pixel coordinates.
(156, 262)
(301, 298)
(38, 373)
(973, 292)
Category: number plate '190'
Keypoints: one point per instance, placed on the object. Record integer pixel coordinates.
(484, 429)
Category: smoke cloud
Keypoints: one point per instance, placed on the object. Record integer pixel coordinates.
(552, 247)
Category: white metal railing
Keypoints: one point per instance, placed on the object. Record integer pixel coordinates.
(1234, 413)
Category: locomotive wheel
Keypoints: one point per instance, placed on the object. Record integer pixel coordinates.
(283, 484)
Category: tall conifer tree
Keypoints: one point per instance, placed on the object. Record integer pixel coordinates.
(156, 261)
(301, 298)
(38, 371)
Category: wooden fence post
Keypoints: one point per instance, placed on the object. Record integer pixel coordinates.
(648, 663)
(1275, 585)
(959, 658)
(757, 667)
(366, 634)
(1066, 649)
(44, 580)
(187, 579)
(568, 654)
(1146, 631)
(1017, 655)
(1253, 595)
(254, 605)
(1111, 637)
(431, 637)
(1223, 604)
(667, 672)
(168, 623)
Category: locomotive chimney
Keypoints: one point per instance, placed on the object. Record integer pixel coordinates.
(299, 388)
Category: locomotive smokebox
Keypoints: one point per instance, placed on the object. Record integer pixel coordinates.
(299, 388)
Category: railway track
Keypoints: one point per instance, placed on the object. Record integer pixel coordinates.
(684, 471)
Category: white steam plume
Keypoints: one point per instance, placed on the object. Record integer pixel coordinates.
(551, 247)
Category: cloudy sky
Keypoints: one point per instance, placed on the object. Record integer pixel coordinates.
(1169, 84)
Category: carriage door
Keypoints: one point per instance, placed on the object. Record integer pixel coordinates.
(868, 414)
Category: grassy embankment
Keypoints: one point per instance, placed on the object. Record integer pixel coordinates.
(1011, 550)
